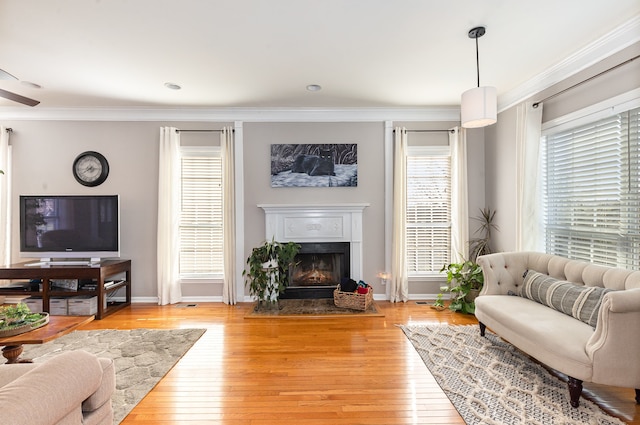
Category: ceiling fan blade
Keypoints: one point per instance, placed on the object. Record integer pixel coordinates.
(4, 75)
(18, 98)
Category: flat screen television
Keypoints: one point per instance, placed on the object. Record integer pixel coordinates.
(70, 226)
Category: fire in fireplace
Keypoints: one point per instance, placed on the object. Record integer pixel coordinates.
(319, 268)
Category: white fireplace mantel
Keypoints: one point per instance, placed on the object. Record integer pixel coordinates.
(318, 223)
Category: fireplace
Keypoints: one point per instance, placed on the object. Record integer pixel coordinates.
(320, 266)
(321, 229)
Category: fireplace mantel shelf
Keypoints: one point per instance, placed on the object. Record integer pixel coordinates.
(314, 207)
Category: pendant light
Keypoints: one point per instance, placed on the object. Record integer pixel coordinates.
(479, 106)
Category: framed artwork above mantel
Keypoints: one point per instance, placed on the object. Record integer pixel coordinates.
(314, 165)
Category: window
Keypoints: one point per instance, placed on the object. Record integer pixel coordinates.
(201, 215)
(428, 219)
(591, 185)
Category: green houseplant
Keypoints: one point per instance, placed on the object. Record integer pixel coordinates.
(17, 319)
(267, 273)
(464, 282)
(465, 279)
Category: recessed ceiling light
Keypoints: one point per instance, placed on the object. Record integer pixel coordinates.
(172, 86)
(314, 87)
(30, 84)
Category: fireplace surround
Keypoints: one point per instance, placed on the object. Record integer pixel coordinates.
(331, 232)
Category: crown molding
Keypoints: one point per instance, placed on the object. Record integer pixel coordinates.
(233, 114)
(623, 36)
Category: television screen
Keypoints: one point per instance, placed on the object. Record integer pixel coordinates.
(69, 226)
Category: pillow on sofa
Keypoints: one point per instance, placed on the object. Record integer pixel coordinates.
(581, 302)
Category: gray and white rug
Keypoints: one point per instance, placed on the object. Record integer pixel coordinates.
(141, 356)
(489, 381)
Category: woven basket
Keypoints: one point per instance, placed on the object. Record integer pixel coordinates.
(352, 300)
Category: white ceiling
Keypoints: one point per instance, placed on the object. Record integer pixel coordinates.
(263, 53)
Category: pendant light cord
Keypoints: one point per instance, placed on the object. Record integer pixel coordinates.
(477, 62)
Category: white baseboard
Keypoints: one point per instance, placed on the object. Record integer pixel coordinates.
(217, 299)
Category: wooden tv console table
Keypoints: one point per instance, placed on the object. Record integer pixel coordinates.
(97, 274)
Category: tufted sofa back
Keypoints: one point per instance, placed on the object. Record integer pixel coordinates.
(503, 272)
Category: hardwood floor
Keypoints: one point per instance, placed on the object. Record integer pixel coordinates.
(329, 370)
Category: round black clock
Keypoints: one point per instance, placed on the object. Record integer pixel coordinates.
(90, 168)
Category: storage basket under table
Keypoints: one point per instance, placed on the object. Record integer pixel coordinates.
(352, 300)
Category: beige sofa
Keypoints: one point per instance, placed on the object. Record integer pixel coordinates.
(600, 346)
(71, 388)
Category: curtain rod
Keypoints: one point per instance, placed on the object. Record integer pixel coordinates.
(536, 104)
(428, 131)
(199, 131)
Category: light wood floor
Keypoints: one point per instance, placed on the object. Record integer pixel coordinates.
(338, 370)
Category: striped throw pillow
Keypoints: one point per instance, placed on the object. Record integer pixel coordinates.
(581, 302)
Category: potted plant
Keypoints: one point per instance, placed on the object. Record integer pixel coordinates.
(465, 279)
(464, 282)
(268, 270)
(482, 245)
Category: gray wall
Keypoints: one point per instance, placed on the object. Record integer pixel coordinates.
(43, 152)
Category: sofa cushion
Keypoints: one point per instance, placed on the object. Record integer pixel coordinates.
(56, 389)
(581, 302)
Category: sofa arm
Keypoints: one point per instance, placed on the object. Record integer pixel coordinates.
(615, 344)
(107, 386)
(49, 392)
(627, 301)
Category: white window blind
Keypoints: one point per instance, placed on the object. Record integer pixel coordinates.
(201, 219)
(591, 181)
(428, 216)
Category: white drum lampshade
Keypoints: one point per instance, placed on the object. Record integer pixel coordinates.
(479, 107)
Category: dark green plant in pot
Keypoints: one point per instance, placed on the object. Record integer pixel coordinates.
(482, 245)
(267, 273)
(464, 282)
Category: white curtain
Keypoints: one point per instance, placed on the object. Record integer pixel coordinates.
(459, 195)
(399, 285)
(528, 133)
(169, 291)
(229, 295)
(5, 197)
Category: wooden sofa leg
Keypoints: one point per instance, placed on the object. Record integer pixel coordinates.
(638, 395)
(575, 389)
(483, 328)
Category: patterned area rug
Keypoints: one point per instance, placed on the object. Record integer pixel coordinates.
(309, 307)
(489, 381)
(141, 356)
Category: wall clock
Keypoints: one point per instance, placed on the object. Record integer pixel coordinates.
(90, 168)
